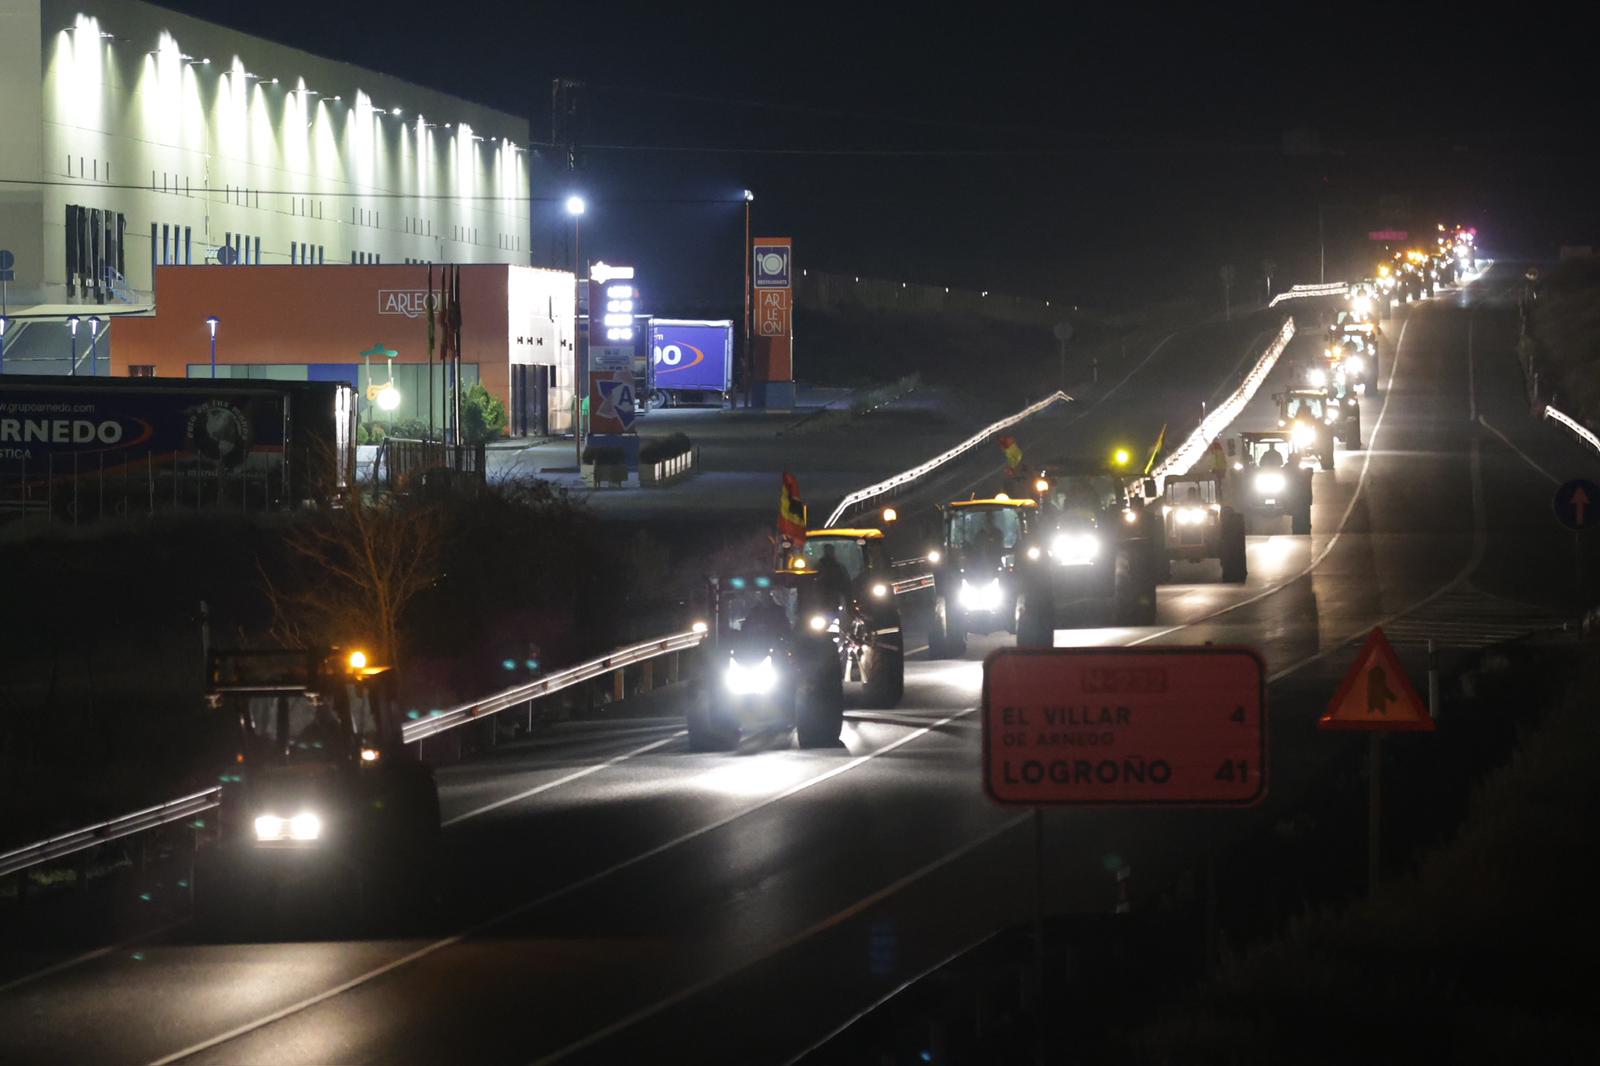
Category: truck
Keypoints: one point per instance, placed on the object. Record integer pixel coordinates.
(324, 810)
(135, 444)
(691, 361)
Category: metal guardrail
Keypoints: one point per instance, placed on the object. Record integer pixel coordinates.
(1577, 428)
(126, 825)
(1184, 456)
(906, 477)
(444, 721)
(1301, 292)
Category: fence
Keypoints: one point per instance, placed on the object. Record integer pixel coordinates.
(81, 488)
(403, 465)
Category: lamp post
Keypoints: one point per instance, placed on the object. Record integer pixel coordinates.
(94, 337)
(212, 323)
(749, 357)
(3, 321)
(387, 397)
(580, 383)
(72, 328)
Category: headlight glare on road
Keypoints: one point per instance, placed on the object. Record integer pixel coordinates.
(1270, 483)
(1075, 549)
(754, 680)
(979, 597)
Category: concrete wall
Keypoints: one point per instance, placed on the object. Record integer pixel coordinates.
(128, 118)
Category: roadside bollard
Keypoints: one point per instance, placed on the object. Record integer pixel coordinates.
(1124, 900)
(619, 688)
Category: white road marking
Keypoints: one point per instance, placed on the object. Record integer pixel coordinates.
(548, 897)
(568, 779)
(783, 945)
(1344, 519)
(1484, 422)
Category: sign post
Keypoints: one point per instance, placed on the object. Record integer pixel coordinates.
(772, 347)
(1376, 697)
(1121, 727)
(1577, 506)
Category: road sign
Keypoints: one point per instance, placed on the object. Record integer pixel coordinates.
(1168, 726)
(7, 259)
(1376, 694)
(1577, 504)
(616, 401)
(770, 263)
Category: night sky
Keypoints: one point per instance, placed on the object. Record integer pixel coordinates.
(1095, 155)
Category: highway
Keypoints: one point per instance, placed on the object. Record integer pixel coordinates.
(613, 898)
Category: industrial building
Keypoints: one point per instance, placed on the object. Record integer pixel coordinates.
(145, 151)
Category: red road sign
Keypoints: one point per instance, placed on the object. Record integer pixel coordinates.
(1376, 694)
(1167, 726)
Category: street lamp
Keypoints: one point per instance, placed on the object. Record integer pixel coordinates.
(749, 357)
(94, 337)
(580, 379)
(212, 323)
(72, 327)
(387, 397)
(3, 321)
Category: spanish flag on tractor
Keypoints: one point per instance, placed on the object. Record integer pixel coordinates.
(792, 511)
(1013, 453)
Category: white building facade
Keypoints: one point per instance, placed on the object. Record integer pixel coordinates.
(132, 137)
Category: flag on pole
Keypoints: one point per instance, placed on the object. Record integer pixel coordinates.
(792, 511)
(1013, 453)
(1155, 453)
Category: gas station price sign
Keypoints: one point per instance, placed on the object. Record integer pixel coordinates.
(1113, 727)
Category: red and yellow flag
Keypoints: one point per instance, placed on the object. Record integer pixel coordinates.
(792, 511)
(1013, 453)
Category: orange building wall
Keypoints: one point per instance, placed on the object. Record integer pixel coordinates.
(308, 314)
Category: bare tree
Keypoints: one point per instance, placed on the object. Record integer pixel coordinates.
(353, 571)
(1229, 275)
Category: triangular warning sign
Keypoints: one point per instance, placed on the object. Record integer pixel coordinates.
(1376, 694)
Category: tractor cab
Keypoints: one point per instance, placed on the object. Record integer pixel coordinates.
(321, 787)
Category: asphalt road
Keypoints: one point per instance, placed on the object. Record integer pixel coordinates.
(615, 898)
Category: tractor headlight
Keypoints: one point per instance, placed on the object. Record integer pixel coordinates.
(979, 597)
(1318, 377)
(1075, 549)
(754, 680)
(1355, 365)
(880, 590)
(1190, 516)
(303, 826)
(818, 623)
(1304, 433)
(1129, 515)
(934, 556)
(1033, 552)
(1270, 483)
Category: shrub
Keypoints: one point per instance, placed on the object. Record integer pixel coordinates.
(605, 455)
(660, 449)
(483, 416)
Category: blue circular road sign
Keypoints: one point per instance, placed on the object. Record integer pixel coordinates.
(1577, 504)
